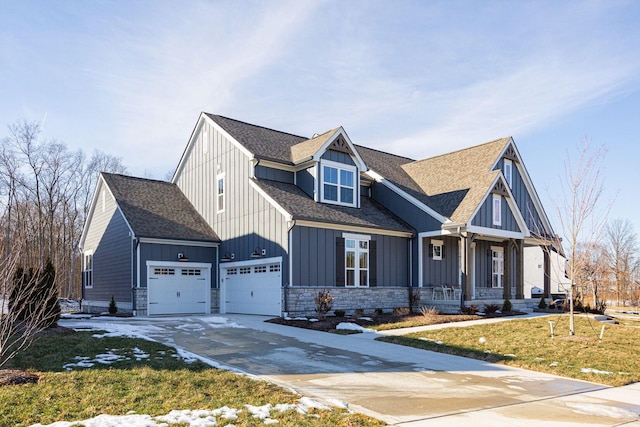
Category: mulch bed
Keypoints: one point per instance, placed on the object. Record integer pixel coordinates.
(16, 377)
(329, 323)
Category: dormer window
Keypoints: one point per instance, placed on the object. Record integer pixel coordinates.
(339, 183)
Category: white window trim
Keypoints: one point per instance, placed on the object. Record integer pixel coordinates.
(500, 274)
(84, 268)
(356, 270)
(221, 176)
(496, 214)
(339, 166)
(508, 172)
(434, 244)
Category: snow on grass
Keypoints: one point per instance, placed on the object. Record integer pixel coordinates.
(595, 371)
(108, 358)
(194, 418)
(348, 326)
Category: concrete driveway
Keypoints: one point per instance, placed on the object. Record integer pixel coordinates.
(400, 385)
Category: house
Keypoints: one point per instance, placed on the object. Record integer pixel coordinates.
(144, 244)
(286, 216)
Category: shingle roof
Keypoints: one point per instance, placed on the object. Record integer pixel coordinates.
(303, 207)
(452, 184)
(460, 179)
(308, 148)
(158, 209)
(262, 142)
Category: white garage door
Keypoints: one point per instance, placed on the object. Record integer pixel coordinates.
(178, 288)
(253, 288)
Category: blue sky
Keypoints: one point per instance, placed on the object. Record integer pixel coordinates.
(416, 78)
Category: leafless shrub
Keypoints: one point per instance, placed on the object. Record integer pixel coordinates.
(324, 303)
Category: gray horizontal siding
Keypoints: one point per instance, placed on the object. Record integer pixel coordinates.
(161, 252)
(484, 217)
(272, 174)
(314, 258)
(112, 263)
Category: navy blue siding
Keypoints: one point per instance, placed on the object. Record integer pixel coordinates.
(305, 180)
(483, 264)
(158, 252)
(314, 258)
(112, 263)
(272, 174)
(411, 214)
(336, 156)
(523, 199)
(484, 217)
(445, 271)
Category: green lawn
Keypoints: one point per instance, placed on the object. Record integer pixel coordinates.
(526, 343)
(156, 383)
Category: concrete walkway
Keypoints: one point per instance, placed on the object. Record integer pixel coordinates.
(400, 385)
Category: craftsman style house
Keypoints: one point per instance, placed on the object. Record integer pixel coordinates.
(258, 221)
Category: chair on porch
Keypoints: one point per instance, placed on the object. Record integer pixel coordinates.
(427, 292)
(456, 292)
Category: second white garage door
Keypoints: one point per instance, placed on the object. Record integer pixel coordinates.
(252, 287)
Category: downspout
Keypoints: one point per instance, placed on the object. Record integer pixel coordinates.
(290, 236)
(134, 245)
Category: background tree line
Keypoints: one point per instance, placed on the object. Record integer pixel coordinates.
(45, 195)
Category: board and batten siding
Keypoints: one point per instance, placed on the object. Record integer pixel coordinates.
(523, 198)
(162, 252)
(484, 216)
(445, 271)
(248, 220)
(264, 172)
(306, 180)
(109, 239)
(483, 264)
(314, 258)
(338, 157)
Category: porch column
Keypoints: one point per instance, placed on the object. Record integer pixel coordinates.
(520, 269)
(547, 271)
(506, 278)
(468, 286)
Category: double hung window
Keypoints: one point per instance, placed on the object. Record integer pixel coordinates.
(497, 267)
(87, 271)
(357, 262)
(339, 183)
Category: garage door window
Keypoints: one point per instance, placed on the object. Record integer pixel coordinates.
(164, 271)
(191, 272)
(274, 268)
(245, 270)
(232, 271)
(260, 269)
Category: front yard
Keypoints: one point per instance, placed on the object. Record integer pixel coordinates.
(83, 375)
(526, 343)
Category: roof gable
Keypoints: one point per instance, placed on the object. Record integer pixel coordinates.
(157, 209)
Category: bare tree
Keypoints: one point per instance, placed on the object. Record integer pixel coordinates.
(580, 212)
(622, 245)
(593, 275)
(19, 321)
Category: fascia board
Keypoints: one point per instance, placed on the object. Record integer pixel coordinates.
(271, 201)
(352, 228)
(340, 131)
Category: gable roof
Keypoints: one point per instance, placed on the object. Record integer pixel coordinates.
(459, 180)
(157, 209)
(263, 142)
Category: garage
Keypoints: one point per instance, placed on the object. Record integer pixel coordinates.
(252, 287)
(178, 288)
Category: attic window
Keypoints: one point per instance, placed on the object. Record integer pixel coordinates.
(508, 171)
(338, 183)
(220, 193)
(497, 210)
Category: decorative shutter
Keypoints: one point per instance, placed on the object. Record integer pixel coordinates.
(430, 251)
(442, 251)
(373, 265)
(340, 267)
